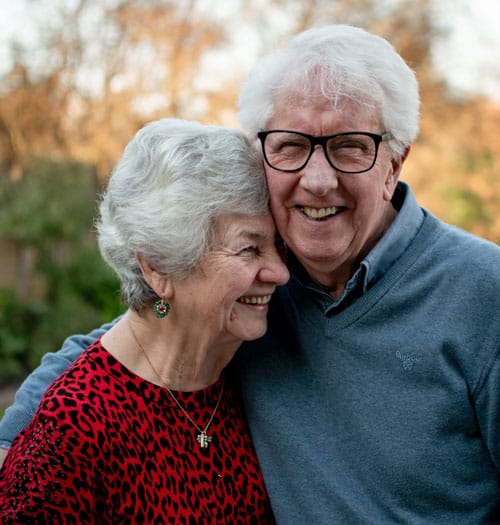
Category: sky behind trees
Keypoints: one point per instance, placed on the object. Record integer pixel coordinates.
(91, 72)
(467, 53)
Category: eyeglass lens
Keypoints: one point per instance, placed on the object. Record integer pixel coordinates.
(350, 153)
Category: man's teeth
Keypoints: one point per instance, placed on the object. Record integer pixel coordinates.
(261, 299)
(319, 213)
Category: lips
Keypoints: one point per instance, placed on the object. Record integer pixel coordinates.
(255, 299)
(319, 213)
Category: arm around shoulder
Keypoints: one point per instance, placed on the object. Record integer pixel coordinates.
(27, 398)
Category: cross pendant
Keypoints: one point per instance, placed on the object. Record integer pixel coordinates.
(203, 439)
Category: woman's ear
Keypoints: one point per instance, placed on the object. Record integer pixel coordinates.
(159, 282)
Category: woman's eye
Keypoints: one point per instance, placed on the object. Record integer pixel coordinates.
(248, 250)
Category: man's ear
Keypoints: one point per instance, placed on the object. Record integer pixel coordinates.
(393, 177)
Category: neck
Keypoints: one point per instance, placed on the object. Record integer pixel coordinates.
(336, 289)
(332, 284)
(160, 352)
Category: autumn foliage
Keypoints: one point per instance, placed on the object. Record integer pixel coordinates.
(101, 69)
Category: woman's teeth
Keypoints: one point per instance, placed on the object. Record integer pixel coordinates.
(260, 299)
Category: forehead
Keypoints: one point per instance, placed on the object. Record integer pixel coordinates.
(316, 114)
(230, 227)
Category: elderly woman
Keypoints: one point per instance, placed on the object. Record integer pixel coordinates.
(145, 427)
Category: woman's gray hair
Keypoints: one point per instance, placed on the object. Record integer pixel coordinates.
(174, 179)
(349, 63)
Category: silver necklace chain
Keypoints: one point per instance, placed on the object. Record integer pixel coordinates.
(202, 438)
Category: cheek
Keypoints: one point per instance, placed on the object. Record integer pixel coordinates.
(277, 208)
(281, 190)
(281, 216)
(280, 185)
(372, 192)
(236, 285)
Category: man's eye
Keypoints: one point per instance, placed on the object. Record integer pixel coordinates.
(355, 146)
(291, 146)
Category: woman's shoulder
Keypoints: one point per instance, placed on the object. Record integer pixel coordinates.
(77, 389)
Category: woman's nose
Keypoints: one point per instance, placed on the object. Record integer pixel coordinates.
(275, 271)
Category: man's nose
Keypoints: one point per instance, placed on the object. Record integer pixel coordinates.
(318, 176)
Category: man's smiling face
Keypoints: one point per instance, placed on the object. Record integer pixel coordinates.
(329, 219)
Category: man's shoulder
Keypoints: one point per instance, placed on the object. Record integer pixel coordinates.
(459, 241)
(456, 256)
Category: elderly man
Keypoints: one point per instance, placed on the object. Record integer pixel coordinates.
(373, 398)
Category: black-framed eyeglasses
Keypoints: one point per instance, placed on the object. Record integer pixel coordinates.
(351, 152)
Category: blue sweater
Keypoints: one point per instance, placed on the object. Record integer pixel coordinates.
(383, 407)
(388, 410)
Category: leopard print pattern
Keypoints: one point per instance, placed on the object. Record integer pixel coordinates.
(109, 447)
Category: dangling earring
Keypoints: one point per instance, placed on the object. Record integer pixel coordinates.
(161, 308)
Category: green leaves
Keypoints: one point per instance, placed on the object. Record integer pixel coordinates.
(52, 202)
(64, 286)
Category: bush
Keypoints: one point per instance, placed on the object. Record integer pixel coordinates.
(50, 211)
(18, 322)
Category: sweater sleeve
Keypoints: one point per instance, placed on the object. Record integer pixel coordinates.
(488, 409)
(27, 398)
(41, 472)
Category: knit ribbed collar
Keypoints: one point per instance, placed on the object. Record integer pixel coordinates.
(383, 255)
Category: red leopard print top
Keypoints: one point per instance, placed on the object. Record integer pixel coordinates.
(109, 447)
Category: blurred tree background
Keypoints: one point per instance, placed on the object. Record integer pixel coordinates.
(99, 70)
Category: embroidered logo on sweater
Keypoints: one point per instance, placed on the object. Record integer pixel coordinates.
(407, 360)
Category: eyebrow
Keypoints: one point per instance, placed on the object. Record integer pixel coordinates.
(247, 235)
(260, 234)
(253, 235)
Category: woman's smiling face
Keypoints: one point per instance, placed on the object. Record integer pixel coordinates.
(231, 290)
